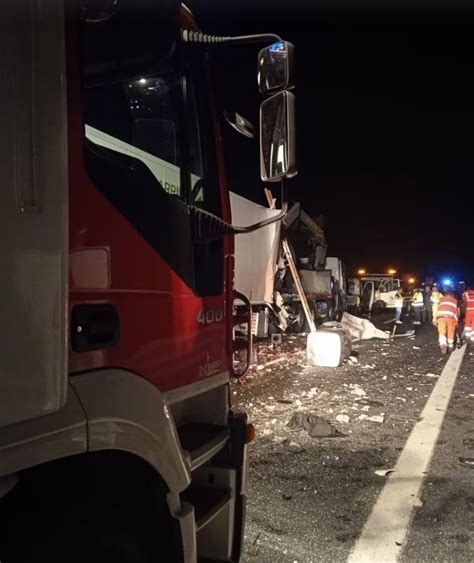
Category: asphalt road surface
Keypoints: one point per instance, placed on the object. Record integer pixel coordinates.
(327, 498)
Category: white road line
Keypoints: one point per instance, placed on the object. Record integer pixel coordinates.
(382, 538)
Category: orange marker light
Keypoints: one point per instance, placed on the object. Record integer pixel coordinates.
(250, 433)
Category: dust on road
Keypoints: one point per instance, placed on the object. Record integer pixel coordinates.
(310, 497)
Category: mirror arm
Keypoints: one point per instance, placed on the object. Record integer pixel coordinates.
(189, 36)
(261, 224)
(208, 228)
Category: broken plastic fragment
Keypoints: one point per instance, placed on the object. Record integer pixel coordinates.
(380, 418)
(383, 472)
(343, 418)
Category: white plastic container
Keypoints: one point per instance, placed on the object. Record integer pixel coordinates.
(327, 348)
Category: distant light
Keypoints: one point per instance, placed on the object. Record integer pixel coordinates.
(447, 281)
(392, 271)
(361, 272)
(279, 46)
(411, 280)
(142, 81)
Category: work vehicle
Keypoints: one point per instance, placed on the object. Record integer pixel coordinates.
(117, 441)
(378, 292)
(263, 275)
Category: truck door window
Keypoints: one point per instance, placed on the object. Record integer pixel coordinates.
(202, 174)
(138, 117)
(204, 185)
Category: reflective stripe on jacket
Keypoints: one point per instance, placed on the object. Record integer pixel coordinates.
(448, 308)
(468, 298)
(417, 299)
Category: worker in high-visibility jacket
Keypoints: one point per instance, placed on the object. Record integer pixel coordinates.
(417, 304)
(446, 319)
(468, 300)
(436, 297)
(398, 301)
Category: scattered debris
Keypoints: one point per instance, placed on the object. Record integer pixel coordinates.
(361, 329)
(316, 426)
(380, 418)
(409, 333)
(357, 390)
(369, 402)
(468, 461)
(418, 503)
(343, 418)
(285, 401)
(295, 447)
(383, 472)
(253, 549)
(352, 360)
(430, 375)
(286, 496)
(369, 366)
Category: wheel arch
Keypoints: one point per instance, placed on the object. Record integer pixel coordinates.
(109, 409)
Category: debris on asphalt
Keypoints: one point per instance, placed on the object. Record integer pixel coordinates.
(295, 447)
(343, 418)
(383, 472)
(357, 390)
(431, 375)
(352, 360)
(369, 402)
(380, 418)
(468, 461)
(361, 329)
(316, 426)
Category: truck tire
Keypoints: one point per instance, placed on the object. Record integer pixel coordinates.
(379, 306)
(98, 533)
(83, 509)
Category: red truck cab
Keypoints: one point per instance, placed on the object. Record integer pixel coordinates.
(117, 439)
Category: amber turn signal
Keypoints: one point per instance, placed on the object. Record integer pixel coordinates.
(250, 433)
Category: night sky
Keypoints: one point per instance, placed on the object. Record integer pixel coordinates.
(385, 124)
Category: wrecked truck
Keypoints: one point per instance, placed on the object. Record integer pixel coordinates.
(263, 276)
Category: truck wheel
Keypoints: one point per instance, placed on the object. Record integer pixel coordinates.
(379, 307)
(97, 532)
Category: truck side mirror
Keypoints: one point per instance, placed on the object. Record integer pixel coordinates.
(277, 137)
(275, 67)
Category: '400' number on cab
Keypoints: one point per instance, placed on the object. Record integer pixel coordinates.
(210, 316)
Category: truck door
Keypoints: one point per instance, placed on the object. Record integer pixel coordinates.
(148, 155)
